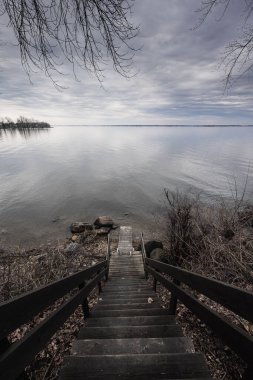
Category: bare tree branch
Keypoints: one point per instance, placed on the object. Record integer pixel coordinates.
(86, 33)
(238, 54)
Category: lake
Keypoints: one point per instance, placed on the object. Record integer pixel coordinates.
(50, 178)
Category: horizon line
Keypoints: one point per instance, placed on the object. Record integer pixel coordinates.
(153, 125)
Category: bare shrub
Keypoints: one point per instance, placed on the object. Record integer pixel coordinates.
(179, 225)
(215, 240)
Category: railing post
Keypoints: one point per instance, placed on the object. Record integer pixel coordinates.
(173, 301)
(85, 304)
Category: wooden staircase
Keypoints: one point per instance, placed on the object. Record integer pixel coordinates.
(129, 335)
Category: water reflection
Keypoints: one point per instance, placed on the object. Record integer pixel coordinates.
(71, 173)
(23, 132)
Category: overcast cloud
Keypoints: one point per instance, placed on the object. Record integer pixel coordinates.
(177, 79)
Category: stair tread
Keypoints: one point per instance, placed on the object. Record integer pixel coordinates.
(132, 345)
(128, 301)
(159, 366)
(148, 331)
(130, 312)
(128, 306)
(132, 321)
(122, 298)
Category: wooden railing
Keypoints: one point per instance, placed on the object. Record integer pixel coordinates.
(15, 357)
(235, 299)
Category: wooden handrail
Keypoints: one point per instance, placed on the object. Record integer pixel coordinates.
(19, 310)
(15, 357)
(233, 298)
(236, 338)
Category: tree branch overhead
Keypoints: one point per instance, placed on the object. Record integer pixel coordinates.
(86, 33)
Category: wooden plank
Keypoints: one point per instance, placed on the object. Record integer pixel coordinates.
(150, 366)
(131, 321)
(21, 309)
(132, 345)
(238, 300)
(124, 313)
(236, 338)
(126, 307)
(125, 240)
(127, 301)
(20, 354)
(121, 332)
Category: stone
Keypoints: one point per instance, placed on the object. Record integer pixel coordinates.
(72, 248)
(103, 231)
(103, 221)
(78, 227)
(76, 238)
(150, 246)
(160, 255)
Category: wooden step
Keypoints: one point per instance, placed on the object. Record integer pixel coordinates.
(116, 274)
(115, 285)
(127, 265)
(128, 313)
(128, 271)
(130, 301)
(119, 280)
(104, 296)
(121, 332)
(127, 259)
(133, 346)
(130, 288)
(128, 277)
(127, 294)
(146, 366)
(127, 288)
(124, 307)
(124, 283)
(131, 321)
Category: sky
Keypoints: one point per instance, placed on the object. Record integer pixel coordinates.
(177, 76)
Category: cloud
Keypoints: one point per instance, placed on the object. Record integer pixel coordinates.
(177, 79)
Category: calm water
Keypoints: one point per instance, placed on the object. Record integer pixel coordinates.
(72, 173)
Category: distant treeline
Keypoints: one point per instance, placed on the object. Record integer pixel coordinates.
(21, 123)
